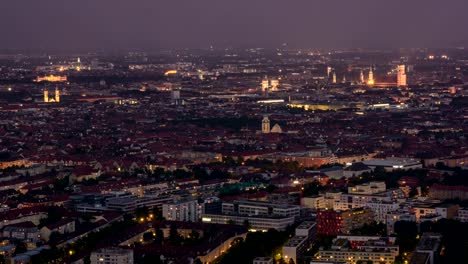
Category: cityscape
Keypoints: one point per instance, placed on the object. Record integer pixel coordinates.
(232, 152)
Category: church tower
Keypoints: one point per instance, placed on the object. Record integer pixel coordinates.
(265, 125)
(371, 81)
(46, 96)
(57, 95)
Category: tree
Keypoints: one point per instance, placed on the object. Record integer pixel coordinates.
(54, 236)
(174, 235)
(159, 236)
(20, 248)
(194, 235)
(413, 192)
(406, 235)
(148, 236)
(246, 224)
(141, 212)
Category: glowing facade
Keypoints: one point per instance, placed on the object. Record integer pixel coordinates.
(265, 125)
(265, 85)
(334, 78)
(57, 95)
(55, 99)
(51, 78)
(361, 77)
(401, 77)
(170, 72)
(46, 96)
(274, 85)
(371, 81)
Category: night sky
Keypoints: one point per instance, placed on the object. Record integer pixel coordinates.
(154, 24)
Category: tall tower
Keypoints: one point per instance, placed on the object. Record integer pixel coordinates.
(265, 125)
(334, 78)
(329, 70)
(344, 79)
(265, 85)
(46, 96)
(401, 77)
(361, 77)
(371, 81)
(57, 95)
(274, 85)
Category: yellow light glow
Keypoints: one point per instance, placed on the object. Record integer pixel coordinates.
(170, 72)
(51, 78)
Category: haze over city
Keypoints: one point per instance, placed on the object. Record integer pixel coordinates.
(233, 132)
(150, 25)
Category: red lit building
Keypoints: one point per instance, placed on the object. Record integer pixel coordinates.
(329, 222)
(333, 223)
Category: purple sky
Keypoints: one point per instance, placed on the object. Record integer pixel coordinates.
(152, 24)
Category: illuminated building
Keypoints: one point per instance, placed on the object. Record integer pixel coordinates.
(181, 211)
(360, 249)
(265, 85)
(274, 85)
(55, 99)
(170, 72)
(342, 222)
(78, 64)
(361, 77)
(51, 78)
(329, 69)
(334, 78)
(265, 125)
(344, 79)
(57, 95)
(276, 129)
(298, 245)
(112, 256)
(371, 81)
(401, 77)
(46, 96)
(269, 85)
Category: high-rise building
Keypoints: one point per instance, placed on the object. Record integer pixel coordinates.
(334, 78)
(181, 211)
(265, 125)
(329, 70)
(401, 77)
(371, 81)
(361, 77)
